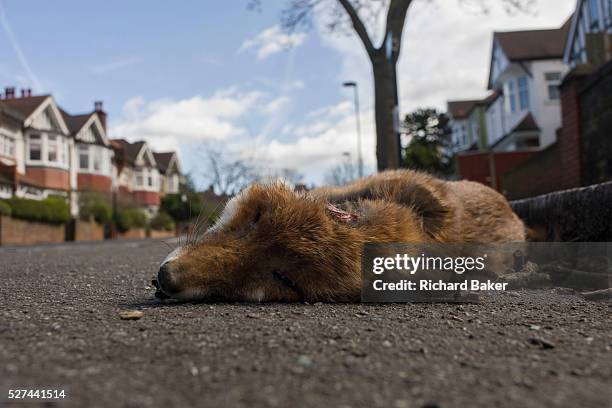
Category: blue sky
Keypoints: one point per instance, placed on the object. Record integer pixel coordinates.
(194, 73)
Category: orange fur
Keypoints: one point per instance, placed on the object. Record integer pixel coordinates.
(274, 244)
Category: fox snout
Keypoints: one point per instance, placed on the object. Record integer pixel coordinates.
(166, 282)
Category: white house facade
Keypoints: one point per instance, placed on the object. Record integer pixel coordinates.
(590, 36)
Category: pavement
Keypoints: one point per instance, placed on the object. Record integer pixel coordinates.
(60, 329)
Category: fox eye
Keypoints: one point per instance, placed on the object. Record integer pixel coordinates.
(257, 217)
(282, 278)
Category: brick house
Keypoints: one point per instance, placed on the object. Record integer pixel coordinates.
(36, 147)
(169, 169)
(583, 153)
(138, 177)
(522, 113)
(94, 153)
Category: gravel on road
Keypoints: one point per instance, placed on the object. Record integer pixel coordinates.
(62, 326)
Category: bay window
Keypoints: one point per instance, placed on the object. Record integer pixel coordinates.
(94, 159)
(147, 178)
(47, 149)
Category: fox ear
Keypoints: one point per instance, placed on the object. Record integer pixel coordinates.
(428, 205)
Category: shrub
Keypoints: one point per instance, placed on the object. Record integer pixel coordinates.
(54, 210)
(182, 207)
(162, 222)
(94, 206)
(130, 218)
(5, 209)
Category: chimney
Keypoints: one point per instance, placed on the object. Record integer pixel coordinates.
(98, 108)
(23, 92)
(29, 92)
(9, 92)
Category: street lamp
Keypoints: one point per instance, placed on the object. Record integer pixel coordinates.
(353, 84)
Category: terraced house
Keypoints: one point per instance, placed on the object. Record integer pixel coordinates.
(46, 151)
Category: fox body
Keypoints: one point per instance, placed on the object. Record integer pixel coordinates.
(274, 244)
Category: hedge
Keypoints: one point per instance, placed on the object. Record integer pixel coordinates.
(54, 210)
(94, 206)
(130, 218)
(5, 209)
(162, 222)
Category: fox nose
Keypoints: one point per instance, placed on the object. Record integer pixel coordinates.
(166, 281)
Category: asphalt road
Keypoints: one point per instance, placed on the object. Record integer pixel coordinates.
(60, 328)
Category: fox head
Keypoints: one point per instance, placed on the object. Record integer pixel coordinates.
(269, 244)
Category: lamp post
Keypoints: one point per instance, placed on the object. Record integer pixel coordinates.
(353, 84)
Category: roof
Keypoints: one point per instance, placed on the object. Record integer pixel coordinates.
(129, 151)
(163, 160)
(534, 44)
(75, 122)
(23, 106)
(528, 123)
(461, 109)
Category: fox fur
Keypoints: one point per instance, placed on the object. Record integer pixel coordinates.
(274, 244)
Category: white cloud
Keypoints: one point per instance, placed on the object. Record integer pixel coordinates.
(272, 41)
(187, 120)
(276, 105)
(445, 49)
(320, 142)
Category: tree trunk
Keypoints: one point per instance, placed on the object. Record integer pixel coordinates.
(387, 142)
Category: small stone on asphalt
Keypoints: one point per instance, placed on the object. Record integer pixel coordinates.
(131, 314)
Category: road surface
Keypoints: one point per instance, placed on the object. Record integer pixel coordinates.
(60, 329)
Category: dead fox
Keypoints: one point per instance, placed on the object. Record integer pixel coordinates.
(274, 244)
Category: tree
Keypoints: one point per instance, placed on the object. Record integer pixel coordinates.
(359, 15)
(228, 175)
(342, 173)
(427, 136)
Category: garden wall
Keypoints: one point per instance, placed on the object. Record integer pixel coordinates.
(161, 234)
(581, 214)
(133, 233)
(14, 231)
(88, 231)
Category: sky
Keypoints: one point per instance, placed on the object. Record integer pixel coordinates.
(195, 76)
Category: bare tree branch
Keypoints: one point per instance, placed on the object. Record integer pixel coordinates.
(359, 27)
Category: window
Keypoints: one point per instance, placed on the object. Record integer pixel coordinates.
(7, 146)
(97, 159)
(523, 91)
(594, 13)
(511, 96)
(139, 178)
(84, 157)
(553, 80)
(52, 148)
(35, 147)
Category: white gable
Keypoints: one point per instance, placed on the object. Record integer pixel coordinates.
(47, 117)
(92, 132)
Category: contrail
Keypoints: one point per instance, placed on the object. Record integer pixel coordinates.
(20, 55)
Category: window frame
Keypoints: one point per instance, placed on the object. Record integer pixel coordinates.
(522, 83)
